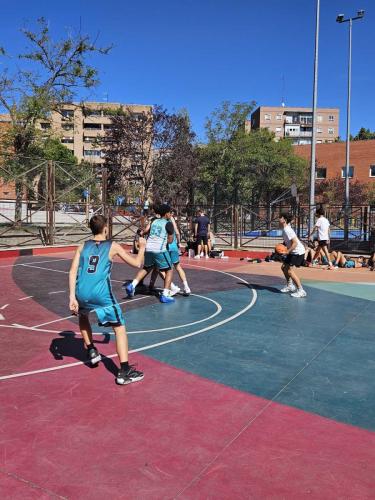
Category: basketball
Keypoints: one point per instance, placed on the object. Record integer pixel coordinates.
(281, 249)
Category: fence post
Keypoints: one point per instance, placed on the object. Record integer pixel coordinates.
(50, 205)
(106, 209)
(235, 226)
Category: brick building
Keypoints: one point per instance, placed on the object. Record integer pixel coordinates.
(330, 160)
(295, 123)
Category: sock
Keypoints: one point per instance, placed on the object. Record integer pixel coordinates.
(90, 346)
(166, 292)
(185, 283)
(290, 282)
(135, 282)
(125, 365)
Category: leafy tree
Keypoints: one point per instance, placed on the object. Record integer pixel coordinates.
(152, 150)
(250, 167)
(51, 74)
(331, 191)
(364, 134)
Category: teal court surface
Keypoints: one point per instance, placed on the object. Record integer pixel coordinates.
(248, 393)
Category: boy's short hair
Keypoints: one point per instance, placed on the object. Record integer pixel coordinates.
(320, 211)
(97, 224)
(163, 209)
(287, 216)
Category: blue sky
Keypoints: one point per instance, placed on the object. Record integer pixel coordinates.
(196, 53)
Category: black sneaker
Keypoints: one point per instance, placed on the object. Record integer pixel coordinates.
(128, 376)
(93, 356)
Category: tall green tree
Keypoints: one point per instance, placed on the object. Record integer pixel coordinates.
(237, 166)
(50, 75)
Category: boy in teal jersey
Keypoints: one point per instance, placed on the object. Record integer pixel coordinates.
(90, 290)
(157, 256)
(173, 249)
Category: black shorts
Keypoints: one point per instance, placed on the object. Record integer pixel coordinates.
(323, 243)
(202, 238)
(294, 260)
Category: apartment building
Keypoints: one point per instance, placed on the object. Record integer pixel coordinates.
(330, 160)
(81, 126)
(296, 123)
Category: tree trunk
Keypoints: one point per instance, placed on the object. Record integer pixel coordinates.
(18, 204)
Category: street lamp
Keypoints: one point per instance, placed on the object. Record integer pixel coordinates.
(341, 19)
(313, 138)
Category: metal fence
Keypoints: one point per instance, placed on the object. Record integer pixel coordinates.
(54, 219)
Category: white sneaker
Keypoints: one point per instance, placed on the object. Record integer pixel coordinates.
(197, 257)
(288, 289)
(299, 294)
(207, 256)
(202, 254)
(174, 289)
(187, 290)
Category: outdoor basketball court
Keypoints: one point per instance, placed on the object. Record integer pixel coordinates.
(248, 393)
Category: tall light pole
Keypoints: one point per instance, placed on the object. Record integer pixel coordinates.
(313, 138)
(341, 19)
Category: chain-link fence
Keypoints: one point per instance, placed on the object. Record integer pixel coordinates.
(57, 213)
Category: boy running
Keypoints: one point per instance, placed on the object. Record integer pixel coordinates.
(294, 258)
(90, 290)
(161, 233)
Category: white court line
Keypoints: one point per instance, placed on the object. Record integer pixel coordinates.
(59, 291)
(73, 315)
(28, 297)
(32, 262)
(58, 270)
(4, 306)
(1, 318)
(152, 346)
(37, 329)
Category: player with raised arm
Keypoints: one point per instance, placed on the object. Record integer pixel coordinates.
(90, 290)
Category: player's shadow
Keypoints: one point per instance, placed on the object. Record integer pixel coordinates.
(257, 286)
(69, 345)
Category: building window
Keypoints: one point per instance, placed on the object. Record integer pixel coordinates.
(67, 126)
(351, 172)
(372, 170)
(321, 173)
(278, 129)
(320, 118)
(92, 112)
(319, 141)
(331, 118)
(267, 117)
(319, 130)
(331, 131)
(108, 126)
(91, 152)
(92, 126)
(67, 140)
(67, 113)
(279, 116)
(45, 126)
(87, 138)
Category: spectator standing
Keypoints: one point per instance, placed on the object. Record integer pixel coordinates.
(201, 232)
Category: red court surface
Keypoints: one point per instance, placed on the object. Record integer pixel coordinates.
(67, 431)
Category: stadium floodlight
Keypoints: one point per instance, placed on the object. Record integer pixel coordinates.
(340, 18)
(360, 13)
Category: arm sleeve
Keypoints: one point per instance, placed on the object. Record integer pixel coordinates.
(169, 227)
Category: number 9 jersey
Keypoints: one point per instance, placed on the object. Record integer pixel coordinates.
(93, 287)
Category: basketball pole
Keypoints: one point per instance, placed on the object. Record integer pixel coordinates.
(313, 138)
